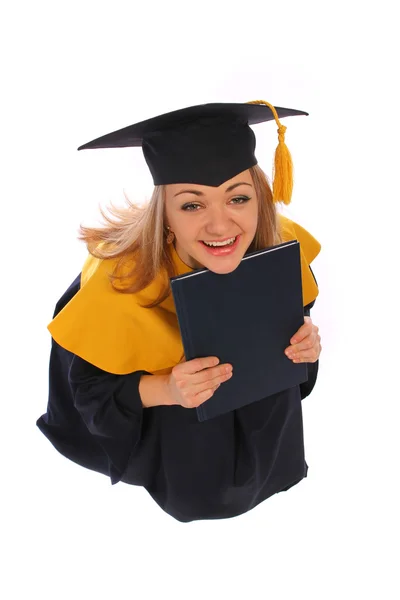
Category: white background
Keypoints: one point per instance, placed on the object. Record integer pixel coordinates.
(74, 71)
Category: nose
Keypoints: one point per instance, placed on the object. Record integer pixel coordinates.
(219, 222)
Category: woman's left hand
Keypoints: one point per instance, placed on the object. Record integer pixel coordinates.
(305, 344)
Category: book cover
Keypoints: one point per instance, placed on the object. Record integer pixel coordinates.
(245, 318)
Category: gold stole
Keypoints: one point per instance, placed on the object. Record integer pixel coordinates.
(113, 332)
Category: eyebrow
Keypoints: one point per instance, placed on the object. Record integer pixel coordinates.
(229, 189)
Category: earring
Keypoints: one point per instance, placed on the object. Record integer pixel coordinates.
(170, 236)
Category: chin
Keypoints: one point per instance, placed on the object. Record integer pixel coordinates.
(222, 267)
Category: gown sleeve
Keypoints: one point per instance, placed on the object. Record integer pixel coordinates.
(111, 408)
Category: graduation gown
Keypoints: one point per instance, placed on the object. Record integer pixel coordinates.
(194, 470)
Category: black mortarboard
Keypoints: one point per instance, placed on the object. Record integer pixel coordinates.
(206, 144)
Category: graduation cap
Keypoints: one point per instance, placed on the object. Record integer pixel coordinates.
(206, 144)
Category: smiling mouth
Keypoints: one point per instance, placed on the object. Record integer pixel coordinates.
(221, 244)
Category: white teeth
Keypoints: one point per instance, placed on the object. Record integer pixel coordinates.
(226, 243)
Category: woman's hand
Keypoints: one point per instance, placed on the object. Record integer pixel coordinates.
(193, 382)
(305, 344)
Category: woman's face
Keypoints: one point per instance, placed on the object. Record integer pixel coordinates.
(213, 226)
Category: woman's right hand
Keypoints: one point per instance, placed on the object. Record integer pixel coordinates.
(192, 382)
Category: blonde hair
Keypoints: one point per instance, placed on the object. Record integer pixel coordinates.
(139, 233)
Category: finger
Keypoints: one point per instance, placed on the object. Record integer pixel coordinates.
(303, 332)
(307, 343)
(202, 397)
(310, 356)
(189, 389)
(198, 364)
(210, 383)
(210, 374)
(205, 395)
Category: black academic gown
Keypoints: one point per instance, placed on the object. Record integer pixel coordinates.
(194, 470)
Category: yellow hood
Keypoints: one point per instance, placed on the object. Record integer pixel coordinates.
(113, 332)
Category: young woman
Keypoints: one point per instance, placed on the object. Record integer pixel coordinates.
(122, 398)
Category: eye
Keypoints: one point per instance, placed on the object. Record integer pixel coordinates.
(190, 206)
(240, 199)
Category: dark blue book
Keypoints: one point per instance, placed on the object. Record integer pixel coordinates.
(245, 318)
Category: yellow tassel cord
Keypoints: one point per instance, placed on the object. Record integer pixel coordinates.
(283, 168)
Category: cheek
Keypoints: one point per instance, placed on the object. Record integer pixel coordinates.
(252, 220)
(186, 230)
(177, 222)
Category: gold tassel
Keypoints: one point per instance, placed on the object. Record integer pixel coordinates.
(282, 185)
